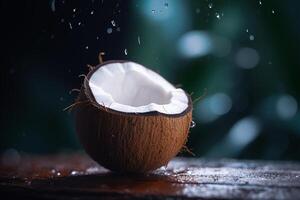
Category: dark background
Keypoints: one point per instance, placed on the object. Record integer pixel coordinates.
(241, 57)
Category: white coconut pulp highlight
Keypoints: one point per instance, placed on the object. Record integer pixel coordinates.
(131, 88)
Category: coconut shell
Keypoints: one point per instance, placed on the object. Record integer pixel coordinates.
(128, 142)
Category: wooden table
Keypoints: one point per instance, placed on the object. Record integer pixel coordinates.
(76, 176)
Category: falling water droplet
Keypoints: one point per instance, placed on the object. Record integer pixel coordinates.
(109, 30)
(193, 124)
(259, 2)
(70, 25)
(247, 30)
(217, 15)
(210, 5)
(86, 47)
(251, 37)
(53, 5)
(113, 22)
(139, 40)
(79, 23)
(273, 12)
(125, 52)
(92, 12)
(74, 10)
(58, 174)
(97, 38)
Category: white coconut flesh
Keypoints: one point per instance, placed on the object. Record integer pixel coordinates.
(131, 88)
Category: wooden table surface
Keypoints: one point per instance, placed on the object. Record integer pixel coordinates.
(76, 176)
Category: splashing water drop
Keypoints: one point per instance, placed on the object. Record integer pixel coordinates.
(139, 40)
(193, 124)
(125, 52)
(251, 37)
(109, 30)
(210, 5)
(113, 22)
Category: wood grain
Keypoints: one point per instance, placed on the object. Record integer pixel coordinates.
(76, 176)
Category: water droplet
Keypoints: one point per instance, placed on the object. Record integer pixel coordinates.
(109, 30)
(217, 15)
(86, 47)
(74, 173)
(79, 23)
(193, 124)
(198, 10)
(210, 5)
(139, 40)
(247, 30)
(153, 11)
(74, 10)
(70, 25)
(166, 5)
(58, 174)
(125, 52)
(259, 2)
(113, 22)
(53, 5)
(28, 182)
(273, 12)
(97, 38)
(251, 37)
(92, 12)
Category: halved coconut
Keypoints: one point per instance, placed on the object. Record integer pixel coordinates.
(130, 118)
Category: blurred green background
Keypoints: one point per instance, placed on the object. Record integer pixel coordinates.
(240, 57)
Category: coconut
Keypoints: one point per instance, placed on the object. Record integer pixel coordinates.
(129, 118)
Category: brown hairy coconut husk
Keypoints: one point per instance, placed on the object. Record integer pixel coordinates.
(125, 141)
